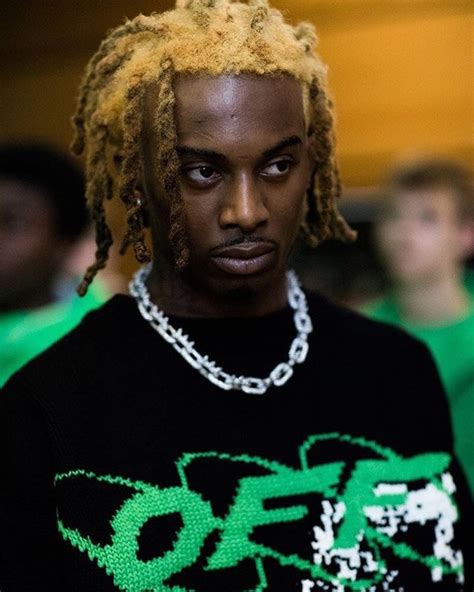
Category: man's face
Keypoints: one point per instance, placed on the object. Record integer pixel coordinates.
(419, 234)
(245, 167)
(30, 251)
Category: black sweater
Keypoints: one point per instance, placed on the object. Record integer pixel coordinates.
(122, 468)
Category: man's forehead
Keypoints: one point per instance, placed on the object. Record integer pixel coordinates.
(262, 83)
(203, 100)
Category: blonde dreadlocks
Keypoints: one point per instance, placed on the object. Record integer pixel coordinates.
(212, 37)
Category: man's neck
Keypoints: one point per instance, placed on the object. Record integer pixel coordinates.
(433, 300)
(177, 296)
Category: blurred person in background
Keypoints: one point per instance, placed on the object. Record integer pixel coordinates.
(424, 232)
(348, 274)
(43, 229)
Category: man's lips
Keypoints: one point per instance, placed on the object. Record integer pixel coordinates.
(247, 250)
(245, 258)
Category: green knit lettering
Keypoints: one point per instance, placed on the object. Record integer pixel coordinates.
(248, 510)
(353, 510)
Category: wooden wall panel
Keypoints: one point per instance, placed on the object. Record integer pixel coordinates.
(407, 86)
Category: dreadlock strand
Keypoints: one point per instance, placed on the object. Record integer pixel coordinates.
(306, 35)
(200, 12)
(102, 64)
(260, 14)
(321, 193)
(310, 222)
(131, 170)
(326, 200)
(102, 68)
(327, 186)
(104, 241)
(96, 193)
(164, 123)
(168, 162)
(341, 229)
(86, 89)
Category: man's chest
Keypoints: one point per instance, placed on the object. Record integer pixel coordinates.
(194, 494)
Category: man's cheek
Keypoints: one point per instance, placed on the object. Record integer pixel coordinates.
(291, 220)
(201, 224)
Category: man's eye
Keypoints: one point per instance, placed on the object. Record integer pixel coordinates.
(201, 174)
(277, 169)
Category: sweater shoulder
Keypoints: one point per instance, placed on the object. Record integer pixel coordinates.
(95, 339)
(384, 367)
(358, 331)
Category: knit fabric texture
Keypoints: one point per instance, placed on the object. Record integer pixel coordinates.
(122, 468)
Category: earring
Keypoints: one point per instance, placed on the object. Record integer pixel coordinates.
(139, 202)
(140, 206)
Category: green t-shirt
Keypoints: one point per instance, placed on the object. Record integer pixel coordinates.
(26, 333)
(452, 346)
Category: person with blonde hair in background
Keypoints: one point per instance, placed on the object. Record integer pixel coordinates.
(424, 233)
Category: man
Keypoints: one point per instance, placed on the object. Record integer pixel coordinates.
(424, 232)
(43, 219)
(201, 435)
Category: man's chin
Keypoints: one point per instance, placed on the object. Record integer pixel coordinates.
(247, 285)
(238, 288)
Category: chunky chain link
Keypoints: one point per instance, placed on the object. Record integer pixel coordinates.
(208, 368)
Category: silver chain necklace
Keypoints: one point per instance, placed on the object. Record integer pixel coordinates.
(208, 368)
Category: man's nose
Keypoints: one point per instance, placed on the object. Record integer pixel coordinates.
(244, 206)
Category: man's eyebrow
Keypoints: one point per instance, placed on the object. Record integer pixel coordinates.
(199, 152)
(285, 143)
(213, 155)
